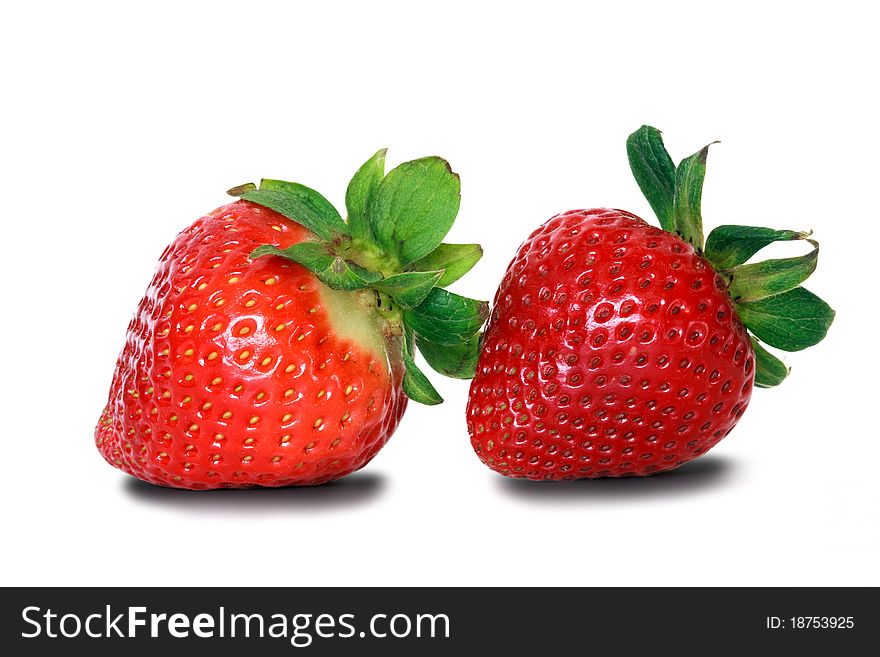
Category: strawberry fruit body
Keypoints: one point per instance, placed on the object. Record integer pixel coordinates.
(615, 348)
(273, 347)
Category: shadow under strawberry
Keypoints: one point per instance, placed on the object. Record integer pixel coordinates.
(358, 489)
(702, 474)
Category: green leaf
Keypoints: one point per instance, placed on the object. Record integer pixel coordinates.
(410, 288)
(238, 190)
(729, 246)
(455, 260)
(360, 193)
(414, 207)
(769, 370)
(770, 277)
(416, 385)
(298, 203)
(330, 269)
(458, 361)
(654, 172)
(688, 196)
(446, 318)
(790, 321)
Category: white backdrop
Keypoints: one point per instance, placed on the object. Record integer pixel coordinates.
(120, 126)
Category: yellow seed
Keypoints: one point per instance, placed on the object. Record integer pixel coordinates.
(234, 279)
(217, 326)
(346, 416)
(166, 395)
(322, 366)
(194, 427)
(215, 265)
(219, 302)
(164, 352)
(318, 423)
(301, 337)
(348, 390)
(260, 395)
(310, 445)
(278, 228)
(286, 417)
(173, 418)
(249, 441)
(238, 388)
(285, 440)
(247, 459)
(280, 327)
(288, 392)
(149, 391)
(346, 357)
(270, 281)
(334, 442)
(219, 436)
(280, 306)
(320, 394)
(244, 355)
(299, 465)
(266, 361)
(188, 352)
(186, 400)
(244, 330)
(212, 355)
(216, 458)
(216, 381)
(289, 368)
(275, 459)
(188, 377)
(206, 406)
(202, 286)
(192, 307)
(164, 332)
(189, 329)
(226, 415)
(253, 420)
(313, 310)
(250, 303)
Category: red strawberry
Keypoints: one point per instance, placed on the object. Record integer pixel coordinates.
(615, 348)
(241, 370)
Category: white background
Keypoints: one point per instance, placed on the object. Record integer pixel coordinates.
(121, 125)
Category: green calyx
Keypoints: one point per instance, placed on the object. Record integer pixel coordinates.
(767, 295)
(391, 244)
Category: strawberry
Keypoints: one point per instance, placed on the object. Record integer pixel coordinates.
(275, 344)
(616, 348)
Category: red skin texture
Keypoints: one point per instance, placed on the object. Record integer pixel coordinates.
(270, 395)
(613, 349)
